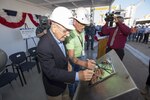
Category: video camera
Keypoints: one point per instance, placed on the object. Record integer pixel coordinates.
(43, 25)
(110, 17)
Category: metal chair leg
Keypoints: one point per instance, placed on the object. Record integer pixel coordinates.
(20, 77)
(23, 76)
(37, 64)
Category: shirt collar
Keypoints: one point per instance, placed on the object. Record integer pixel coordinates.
(76, 33)
(58, 42)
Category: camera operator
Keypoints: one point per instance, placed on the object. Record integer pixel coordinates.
(43, 26)
(117, 35)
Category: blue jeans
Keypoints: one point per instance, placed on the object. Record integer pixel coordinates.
(76, 68)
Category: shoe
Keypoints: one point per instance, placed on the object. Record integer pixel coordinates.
(71, 97)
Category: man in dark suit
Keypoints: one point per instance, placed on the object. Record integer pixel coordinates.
(56, 69)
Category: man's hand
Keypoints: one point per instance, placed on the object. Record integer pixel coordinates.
(116, 19)
(69, 67)
(42, 33)
(91, 64)
(45, 31)
(85, 75)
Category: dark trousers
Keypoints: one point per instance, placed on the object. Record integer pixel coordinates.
(139, 37)
(134, 36)
(146, 36)
(90, 41)
(148, 78)
(120, 52)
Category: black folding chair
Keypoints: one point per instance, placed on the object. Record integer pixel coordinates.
(5, 76)
(20, 62)
(33, 56)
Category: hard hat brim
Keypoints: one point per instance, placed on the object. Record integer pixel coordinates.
(87, 23)
(70, 27)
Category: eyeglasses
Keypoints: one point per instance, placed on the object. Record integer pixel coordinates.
(63, 30)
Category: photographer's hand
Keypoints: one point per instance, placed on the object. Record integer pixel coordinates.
(42, 33)
(116, 19)
(45, 31)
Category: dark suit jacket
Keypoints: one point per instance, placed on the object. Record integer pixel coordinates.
(54, 66)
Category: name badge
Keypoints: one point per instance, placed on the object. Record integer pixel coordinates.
(83, 53)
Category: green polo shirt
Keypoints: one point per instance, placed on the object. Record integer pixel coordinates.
(75, 42)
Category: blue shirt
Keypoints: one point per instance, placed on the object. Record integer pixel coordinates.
(61, 45)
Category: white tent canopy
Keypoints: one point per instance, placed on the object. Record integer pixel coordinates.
(51, 4)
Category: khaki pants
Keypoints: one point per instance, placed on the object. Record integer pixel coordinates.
(63, 96)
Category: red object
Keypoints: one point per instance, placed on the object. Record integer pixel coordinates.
(95, 37)
(33, 21)
(3, 21)
(121, 36)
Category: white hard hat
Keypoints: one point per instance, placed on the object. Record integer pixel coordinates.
(62, 16)
(82, 15)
